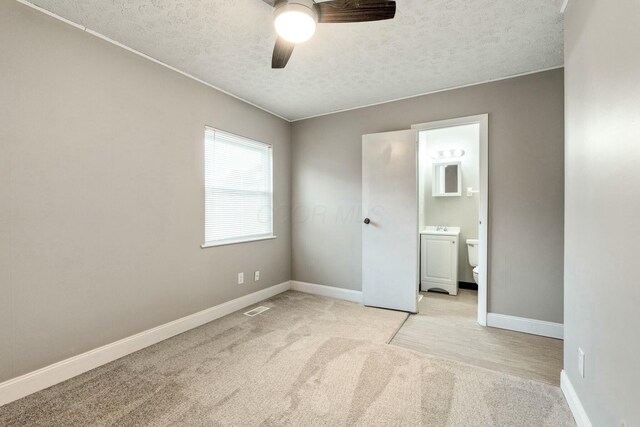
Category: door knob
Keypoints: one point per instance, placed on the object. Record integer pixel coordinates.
(367, 220)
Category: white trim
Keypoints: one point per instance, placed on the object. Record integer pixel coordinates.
(579, 414)
(32, 382)
(563, 8)
(497, 79)
(236, 241)
(483, 278)
(529, 326)
(107, 39)
(327, 291)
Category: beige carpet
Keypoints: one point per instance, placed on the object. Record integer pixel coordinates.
(308, 361)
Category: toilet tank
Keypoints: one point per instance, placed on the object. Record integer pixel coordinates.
(472, 250)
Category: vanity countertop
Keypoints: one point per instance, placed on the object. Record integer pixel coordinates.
(450, 231)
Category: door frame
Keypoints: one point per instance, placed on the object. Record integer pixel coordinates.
(483, 277)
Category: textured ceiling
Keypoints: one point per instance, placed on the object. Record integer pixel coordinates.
(430, 45)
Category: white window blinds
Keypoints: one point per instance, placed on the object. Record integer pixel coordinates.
(238, 188)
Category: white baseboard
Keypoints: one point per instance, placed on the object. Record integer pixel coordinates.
(529, 326)
(32, 382)
(327, 291)
(580, 415)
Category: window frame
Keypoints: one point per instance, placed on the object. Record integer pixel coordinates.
(239, 239)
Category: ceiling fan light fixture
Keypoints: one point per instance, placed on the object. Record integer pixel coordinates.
(296, 20)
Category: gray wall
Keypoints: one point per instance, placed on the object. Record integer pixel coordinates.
(526, 155)
(602, 219)
(101, 194)
(456, 211)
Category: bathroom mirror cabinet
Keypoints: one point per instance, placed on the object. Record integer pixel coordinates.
(447, 179)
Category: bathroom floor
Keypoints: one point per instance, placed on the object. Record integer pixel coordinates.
(446, 326)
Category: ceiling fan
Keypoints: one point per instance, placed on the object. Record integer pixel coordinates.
(295, 20)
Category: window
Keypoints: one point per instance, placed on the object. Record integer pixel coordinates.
(238, 189)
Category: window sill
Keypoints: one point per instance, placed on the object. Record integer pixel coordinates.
(236, 241)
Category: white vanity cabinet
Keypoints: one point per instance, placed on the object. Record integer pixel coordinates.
(439, 259)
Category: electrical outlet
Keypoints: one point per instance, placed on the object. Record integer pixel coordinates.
(256, 276)
(581, 362)
(240, 278)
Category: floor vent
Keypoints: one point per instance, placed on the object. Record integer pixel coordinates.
(256, 311)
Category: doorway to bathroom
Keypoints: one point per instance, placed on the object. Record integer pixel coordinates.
(396, 194)
(452, 216)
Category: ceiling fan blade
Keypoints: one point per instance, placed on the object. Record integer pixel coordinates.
(281, 53)
(342, 11)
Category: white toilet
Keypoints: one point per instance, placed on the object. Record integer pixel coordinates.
(472, 249)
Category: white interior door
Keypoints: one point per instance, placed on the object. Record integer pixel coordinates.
(390, 239)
